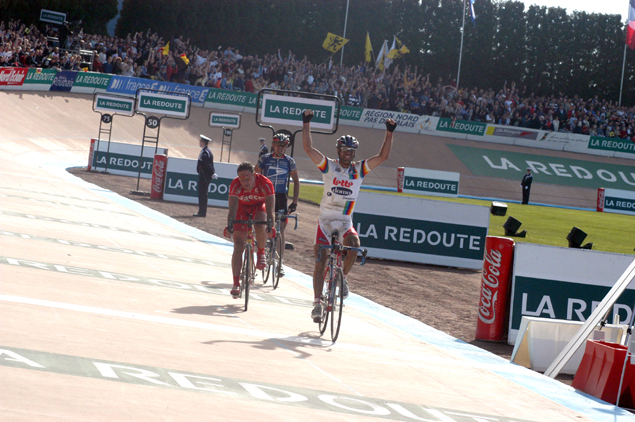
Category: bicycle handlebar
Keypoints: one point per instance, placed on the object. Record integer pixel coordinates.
(280, 215)
(342, 248)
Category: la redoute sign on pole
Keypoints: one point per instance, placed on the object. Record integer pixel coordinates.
(169, 105)
(284, 110)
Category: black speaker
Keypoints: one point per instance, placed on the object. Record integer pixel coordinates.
(576, 237)
(511, 227)
(498, 208)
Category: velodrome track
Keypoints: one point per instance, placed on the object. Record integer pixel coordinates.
(111, 311)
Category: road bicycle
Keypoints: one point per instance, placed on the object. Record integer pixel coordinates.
(248, 270)
(273, 249)
(331, 298)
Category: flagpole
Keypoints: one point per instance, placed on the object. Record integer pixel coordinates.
(458, 75)
(344, 36)
(622, 83)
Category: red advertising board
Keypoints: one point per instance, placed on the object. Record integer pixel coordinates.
(400, 178)
(493, 304)
(91, 153)
(159, 168)
(13, 75)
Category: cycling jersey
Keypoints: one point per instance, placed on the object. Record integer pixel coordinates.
(341, 186)
(262, 188)
(277, 170)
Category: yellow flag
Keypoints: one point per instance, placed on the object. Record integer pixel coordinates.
(184, 58)
(369, 48)
(333, 42)
(166, 49)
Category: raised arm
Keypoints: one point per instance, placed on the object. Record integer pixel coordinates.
(307, 142)
(384, 152)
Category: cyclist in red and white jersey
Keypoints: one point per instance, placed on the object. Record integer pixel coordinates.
(250, 194)
(342, 181)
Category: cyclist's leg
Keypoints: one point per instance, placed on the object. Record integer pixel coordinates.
(261, 238)
(350, 239)
(281, 204)
(239, 237)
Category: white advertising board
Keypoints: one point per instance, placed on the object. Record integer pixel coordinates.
(564, 283)
(288, 111)
(431, 182)
(181, 182)
(619, 201)
(420, 230)
(122, 159)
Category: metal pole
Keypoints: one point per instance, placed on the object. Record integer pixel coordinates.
(622, 83)
(458, 74)
(344, 36)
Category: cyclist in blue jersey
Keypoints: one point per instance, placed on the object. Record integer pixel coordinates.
(279, 167)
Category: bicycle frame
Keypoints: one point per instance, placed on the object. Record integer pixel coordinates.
(274, 250)
(248, 272)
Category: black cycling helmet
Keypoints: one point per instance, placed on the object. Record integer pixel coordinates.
(347, 141)
(282, 138)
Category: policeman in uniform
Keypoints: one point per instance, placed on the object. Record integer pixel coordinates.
(206, 172)
(526, 186)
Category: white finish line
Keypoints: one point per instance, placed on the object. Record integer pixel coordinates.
(428, 360)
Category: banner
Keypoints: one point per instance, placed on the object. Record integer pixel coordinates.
(333, 42)
(170, 105)
(129, 86)
(420, 230)
(288, 111)
(13, 76)
(181, 182)
(431, 182)
(230, 100)
(63, 81)
(91, 82)
(617, 201)
(612, 144)
(122, 159)
(461, 126)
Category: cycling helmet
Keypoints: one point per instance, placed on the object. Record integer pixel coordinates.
(347, 141)
(282, 138)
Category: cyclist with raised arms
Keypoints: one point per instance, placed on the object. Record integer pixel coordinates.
(250, 194)
(279, 167)
(342, 181)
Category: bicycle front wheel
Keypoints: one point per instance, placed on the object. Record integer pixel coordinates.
(338, 304)
(246, 279)
(277, 265)
(269, 255)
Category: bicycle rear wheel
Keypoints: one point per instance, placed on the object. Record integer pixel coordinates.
(326, 293)
(246, 279)
(338, 304)
(277, 259)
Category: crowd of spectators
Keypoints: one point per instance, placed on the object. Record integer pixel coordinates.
(402, 88)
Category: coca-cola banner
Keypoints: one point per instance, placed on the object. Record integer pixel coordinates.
(421, 230)
(495, 282)
(181, 182)
(122, 159)
(159, 169)
(565, 283)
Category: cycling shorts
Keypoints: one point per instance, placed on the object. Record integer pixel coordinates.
(281, 204)
(326, 227)
(244, 212)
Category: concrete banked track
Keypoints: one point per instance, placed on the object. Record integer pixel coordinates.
(111, 311)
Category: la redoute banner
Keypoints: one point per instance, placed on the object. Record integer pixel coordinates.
(421, 230)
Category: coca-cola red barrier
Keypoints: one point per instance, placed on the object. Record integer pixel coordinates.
(159, 168)
(91, 153)
(400, 178)
(600, 371)
(600, 204)
(493, 304)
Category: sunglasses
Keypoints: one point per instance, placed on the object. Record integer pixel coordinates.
(246, 177)
(346, 149)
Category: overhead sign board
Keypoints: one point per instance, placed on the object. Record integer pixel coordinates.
(288, 111)
(224, 120)
(114, 105)
(175, 105)
(50, 16)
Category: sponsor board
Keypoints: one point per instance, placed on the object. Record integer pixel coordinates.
(91, 82)
(170, 105)
(612, 144)
(13, 76)
(350, 114)
(50, 16)
(181, 182)
(39, 79)
(428, 124)
(565, 283)
(423, 231)
(123, 159)
(63, 81)
(405, 122)
(618, 201)
(231, 100)
(129, 86)
(288, 111)
(511, 132)
(224, 120)
(461, 126)
(431, 182)
(114, 105)
(553, 170)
